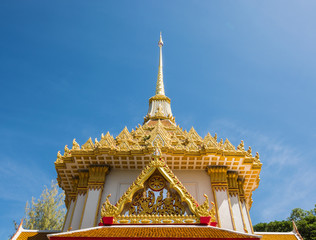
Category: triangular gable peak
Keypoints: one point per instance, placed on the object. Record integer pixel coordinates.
(107, 141)
(124, 135)
(193, 135)
(210, 142)
(157, 197)
(228, 146)
(89, 145)
(159, 136)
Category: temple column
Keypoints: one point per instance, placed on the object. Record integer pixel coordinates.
(232, 177)
(70, 208)
(95, 187)
(80, 200)
(218, 175)
(243, 206)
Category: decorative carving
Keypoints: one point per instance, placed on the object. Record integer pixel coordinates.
(124, 135)
(156, 219)
(194, 136)
(88, 145)
(107, 141)
(159, 136)
(59, 158)
(107, 209)
(232, 180)
(209, 142)
(97, 176)
(156, 183)
(159, 112)
(203, 210)
(249, 152)
(67, 151)
(75, 145)
(257, 155)
(220, 144)
(83, 181)
(228, 146)
(96, 143)
(218, 175)
(142, 202)
(241, 147)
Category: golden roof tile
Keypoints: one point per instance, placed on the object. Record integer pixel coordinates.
(156, 232)
(278, 236)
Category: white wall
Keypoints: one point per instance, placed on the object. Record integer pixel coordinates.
(116, 183)
(91, 208)
(245, 214)
(68, 217)
(234, 200)
(78, 212)
(223, 209)
(197, 182)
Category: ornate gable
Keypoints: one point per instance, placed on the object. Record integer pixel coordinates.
(228, 146)
(194, 136)
(157, 196)
(209, 141)
(88, 145)
(107, 141)
(159, 136)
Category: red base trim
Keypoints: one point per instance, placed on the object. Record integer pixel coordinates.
(205, 220)
(106, 221)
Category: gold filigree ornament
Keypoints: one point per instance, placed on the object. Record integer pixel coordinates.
(156, 196)
(156, 183)
(108, 210)
(75, 145)
(203, 210)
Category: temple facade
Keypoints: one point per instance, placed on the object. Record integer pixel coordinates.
(158, 181)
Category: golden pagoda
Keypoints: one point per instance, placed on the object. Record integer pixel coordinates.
(157, 181)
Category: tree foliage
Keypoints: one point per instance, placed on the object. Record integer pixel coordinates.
(47, 212)
(304, 220)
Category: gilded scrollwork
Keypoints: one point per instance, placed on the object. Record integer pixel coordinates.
(75, 145)
(241, 146)
(108, 210)
(203, 209)
(157, 192)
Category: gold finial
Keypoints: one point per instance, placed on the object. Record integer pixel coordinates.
(160, 43)
(160, 89)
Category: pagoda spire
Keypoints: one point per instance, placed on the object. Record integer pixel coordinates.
(159, 105)
(160, 89)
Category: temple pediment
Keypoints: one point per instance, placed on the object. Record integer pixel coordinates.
(157, 196)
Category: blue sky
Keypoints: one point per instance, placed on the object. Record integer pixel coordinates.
(241, 69)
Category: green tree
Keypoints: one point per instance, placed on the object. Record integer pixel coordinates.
(304, 220)
(47, 212)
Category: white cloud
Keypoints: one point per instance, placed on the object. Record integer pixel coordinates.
(287, 174)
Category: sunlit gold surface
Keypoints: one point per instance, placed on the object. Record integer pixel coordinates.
(145, 204)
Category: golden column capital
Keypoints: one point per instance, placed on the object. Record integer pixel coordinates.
(83, 181)
(241, 191)
(97, 175)
(218, 175)
(232, 177)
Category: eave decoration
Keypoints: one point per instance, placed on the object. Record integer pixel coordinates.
(157, 197)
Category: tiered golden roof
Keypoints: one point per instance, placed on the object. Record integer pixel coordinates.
(131, 150)
(182, 150)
